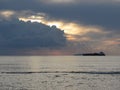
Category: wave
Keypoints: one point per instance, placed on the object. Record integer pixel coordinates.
(77, 72)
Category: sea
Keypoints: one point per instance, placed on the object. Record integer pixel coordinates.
(59, 73)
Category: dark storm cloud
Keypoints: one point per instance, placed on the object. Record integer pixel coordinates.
(103, 13)
(19, 34)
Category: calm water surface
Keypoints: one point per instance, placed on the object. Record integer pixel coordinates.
(59, 73)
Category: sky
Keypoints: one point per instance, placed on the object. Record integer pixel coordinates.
(59, 27)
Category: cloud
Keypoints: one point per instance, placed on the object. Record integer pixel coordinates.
(104, 13)
(106, 16)
(96, 24)
(33, 39)
(18, 34)
(6, 14)
(57, 1)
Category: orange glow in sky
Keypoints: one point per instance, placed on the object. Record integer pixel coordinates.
(70, 28)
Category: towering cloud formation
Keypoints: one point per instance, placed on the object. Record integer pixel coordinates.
(19, 34)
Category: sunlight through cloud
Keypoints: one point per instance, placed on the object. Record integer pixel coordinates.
(6, 14)
(58, 1)
(71, 29)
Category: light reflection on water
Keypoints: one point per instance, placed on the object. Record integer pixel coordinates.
(59, 63)
(59, 73)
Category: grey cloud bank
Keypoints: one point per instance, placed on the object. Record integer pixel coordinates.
(18, 34)
(103, 13)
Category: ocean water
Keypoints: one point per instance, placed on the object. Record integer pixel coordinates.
(59, 73)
